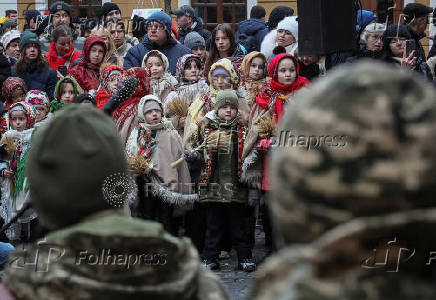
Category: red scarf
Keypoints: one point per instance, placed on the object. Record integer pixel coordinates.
(272, 94)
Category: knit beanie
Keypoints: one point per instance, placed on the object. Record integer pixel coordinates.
(31, 14)
(9, 23)
(194, 39)
(71, 180)
(28, 37)
(60, 5)
(163, 19)
(278, 14)
(107, 7)
(290, 24)
(8, 37)
(225, 97)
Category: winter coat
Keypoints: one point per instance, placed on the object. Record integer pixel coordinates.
(220, 175)
(198, 27)
(251, 33)
(269, 43)
(86, 74)
(419, 50)
(172, 50)
(43, 81)
(5, 69)
(55, 61)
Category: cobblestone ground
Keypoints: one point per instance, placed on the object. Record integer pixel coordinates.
(238, 283)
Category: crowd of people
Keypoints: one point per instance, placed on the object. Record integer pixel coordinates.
(196, 111)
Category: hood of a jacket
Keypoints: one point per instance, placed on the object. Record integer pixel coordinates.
(251, 26)
(89, 42)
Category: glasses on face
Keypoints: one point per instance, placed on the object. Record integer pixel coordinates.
(156, 27)
(376, 37)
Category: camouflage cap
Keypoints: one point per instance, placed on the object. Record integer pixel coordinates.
(358, 143)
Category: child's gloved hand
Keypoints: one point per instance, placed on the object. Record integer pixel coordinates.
(264, 144)
(190, 155)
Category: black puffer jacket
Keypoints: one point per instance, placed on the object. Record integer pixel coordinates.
(5, 70)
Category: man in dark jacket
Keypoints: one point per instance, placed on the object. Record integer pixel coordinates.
(252, 31)
(416, 17)
(187, 22)
(158, 38)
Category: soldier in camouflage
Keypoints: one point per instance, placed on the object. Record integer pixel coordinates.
(92, 251)
(353, 187)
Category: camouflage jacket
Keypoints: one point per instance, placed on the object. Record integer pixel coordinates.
(109, 256)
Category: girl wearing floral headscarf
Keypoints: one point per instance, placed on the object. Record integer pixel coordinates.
(268, 109)
(191, 85)
(270, 105)
(222, 76)
(111, 77)
(253, 74)
(162, 83)
(15, 143)
(155, 141)
(14, 90)
(40, 102)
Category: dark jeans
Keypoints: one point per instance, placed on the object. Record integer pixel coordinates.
(218, 216)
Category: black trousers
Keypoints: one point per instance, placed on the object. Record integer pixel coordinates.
(218, 216)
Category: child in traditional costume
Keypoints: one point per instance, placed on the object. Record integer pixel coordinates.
(191, 85)
(15, 145)
(40, 101)
(267, 111)
(111, 77)
(162, 82)
(220, 144)
(151, 147)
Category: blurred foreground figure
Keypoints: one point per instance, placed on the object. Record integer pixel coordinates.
(92, 250)
(355, 209)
